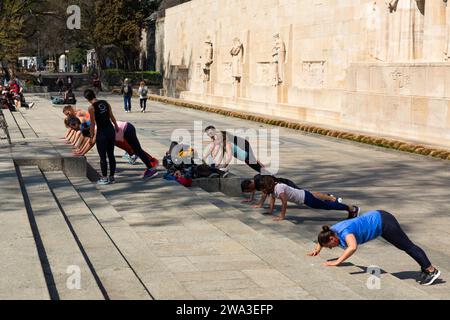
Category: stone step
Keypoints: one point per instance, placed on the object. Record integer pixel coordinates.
(61, 249)
(24, 126)
(207, 262)
(380, 250)
(352, 276)
(22, 275)
(117, 279)
(14, 131)
(149, 268)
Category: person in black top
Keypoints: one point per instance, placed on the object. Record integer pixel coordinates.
(105, 135)
(255, 184)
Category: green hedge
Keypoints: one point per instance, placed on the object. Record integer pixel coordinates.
(116, 76)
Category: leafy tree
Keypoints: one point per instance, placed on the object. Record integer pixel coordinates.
(13, 17)
(119, 25)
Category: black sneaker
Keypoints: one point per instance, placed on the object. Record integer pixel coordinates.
(354, 213)
(111, 180)
(430, 277)
(422, 275)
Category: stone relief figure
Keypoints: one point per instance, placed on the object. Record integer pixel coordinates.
(375, 31)
(405, 29)
(447, 31)
(278, 59)
(207, 58)
(237, 52)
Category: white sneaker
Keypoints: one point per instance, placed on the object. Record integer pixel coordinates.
(31, 105)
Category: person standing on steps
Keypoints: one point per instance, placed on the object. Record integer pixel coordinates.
(127, 92)
(143, 96)
(101, 116)
(288, 194)
(351, 233)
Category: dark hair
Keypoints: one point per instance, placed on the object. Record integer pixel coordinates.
(72, 110)
(325, 235)
(245, 185)
(210, 127)
(89, 94)
(267, 184)
(73, 120)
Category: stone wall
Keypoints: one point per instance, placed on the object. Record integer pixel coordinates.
(354, 64)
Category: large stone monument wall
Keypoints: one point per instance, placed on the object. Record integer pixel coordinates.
(374, 66)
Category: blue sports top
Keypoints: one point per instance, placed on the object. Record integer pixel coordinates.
(366, 227)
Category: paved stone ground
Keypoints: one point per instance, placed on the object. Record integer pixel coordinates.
(414, 188)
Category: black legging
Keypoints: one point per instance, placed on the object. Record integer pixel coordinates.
(250, 158)
(131, 138)
(392, 232)
(143, 103)
(316, 203)
(105, 146)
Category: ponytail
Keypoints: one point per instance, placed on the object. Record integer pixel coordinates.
(325, 235)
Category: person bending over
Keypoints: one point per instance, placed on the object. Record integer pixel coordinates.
(352, 233)
(125, 139)
(253, 185)
(300, 196)
(224, 146)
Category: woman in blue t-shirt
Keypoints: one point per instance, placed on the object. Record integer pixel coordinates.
(350, 233)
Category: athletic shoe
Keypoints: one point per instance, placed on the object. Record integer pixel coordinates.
(354, 213)
(150, 173)
(132, 160)
(111, 180)
(31, 105)
(422, 275)
(103, 181)
(225, 174)
(430, 277)
(126, 156)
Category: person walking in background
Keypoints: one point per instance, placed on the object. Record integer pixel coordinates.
(143, 96)
(127, 92)
(96, 83)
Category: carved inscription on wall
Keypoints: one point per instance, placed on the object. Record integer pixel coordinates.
(313, 74)
(401, 80)
(264, 72)
(225, 74)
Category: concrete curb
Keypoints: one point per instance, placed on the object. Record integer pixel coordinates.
(362, 138)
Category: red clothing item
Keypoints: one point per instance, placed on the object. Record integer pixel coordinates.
(14, 88)
(187, 182)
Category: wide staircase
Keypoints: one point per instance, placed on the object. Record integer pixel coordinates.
(63, 237)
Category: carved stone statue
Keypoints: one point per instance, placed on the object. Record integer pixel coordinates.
(447, 31)
(375, 31)
(278, 59)
(237, 53)
(405, 29)
(207, 58)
